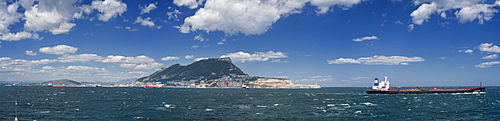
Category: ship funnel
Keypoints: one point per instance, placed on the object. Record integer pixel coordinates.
(375, 84)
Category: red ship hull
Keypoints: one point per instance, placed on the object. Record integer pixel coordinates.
(153, 86)
(426, 91)
(40, 85)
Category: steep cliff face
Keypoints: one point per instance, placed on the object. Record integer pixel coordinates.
(209, 69)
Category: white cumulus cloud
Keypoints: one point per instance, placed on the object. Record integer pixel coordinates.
(411, 27)
(54, 16)
(18, 36)
(63, 28)
(423, 13)
(199, 59)
(490, 56)
(145, 22)
(2, 59)
(30, 52)
(148, 8)
(148, 66)
(365, 38)
(192, 4)
(343, 61)
(141, 62)
(466, 51)
(8, 16)
(481, 12)
(109, 8)
(466, 10)
(489, 47)
(142, 66)
(188, 56)
(170, 58)
(128, 65)
(487, 64)
(248, 17)
(58, 50)
(85, 68)
(200, 38)
(123, 59)
(313, 79)
(324, 5)
(48, 68)
(8, 64)
(174, 15)
(378, 60)
(80, 58)
(254, 57)
(20, 69)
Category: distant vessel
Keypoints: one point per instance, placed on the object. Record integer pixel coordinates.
(40, 85)
(244, 86)
(154, 86)
(58, 85)
(382, 87)
(47, 85)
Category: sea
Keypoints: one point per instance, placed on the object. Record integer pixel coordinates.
(178, 104)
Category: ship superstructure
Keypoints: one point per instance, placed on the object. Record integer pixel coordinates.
(382, 85)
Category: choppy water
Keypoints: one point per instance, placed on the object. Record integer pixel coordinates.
(44, 103)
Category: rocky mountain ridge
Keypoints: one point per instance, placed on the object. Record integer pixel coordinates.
(63, 81)
(209, 69)
(215, 73)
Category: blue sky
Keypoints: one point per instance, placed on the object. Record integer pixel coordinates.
(333, 43)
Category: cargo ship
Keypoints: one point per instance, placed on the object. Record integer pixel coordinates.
(382, 87)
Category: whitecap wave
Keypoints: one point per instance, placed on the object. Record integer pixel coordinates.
(169, 106)
(261, 106)
(368, 103)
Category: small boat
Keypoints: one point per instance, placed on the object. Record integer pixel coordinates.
(382, 87)
(244, 86)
